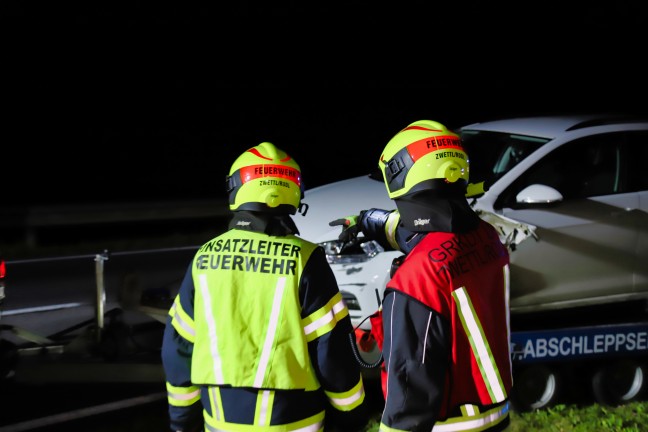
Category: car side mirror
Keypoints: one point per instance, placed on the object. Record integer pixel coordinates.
(538, 194)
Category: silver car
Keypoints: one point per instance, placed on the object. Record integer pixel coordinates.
(579, 183)
(569, 195)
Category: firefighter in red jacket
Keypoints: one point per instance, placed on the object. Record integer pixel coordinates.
(443, 326)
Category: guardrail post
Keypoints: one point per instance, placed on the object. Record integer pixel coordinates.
(101, 292)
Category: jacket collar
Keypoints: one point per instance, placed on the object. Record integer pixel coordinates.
(274, 225)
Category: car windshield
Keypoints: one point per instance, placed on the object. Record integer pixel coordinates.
(493, 154)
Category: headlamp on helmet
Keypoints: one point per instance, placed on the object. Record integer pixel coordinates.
(425, 155)
(264, 178)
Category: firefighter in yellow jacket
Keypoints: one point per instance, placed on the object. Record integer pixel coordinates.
(258, 336)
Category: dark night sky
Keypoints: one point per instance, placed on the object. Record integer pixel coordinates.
(144, 101)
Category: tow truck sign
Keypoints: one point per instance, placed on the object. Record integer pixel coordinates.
(580, 342)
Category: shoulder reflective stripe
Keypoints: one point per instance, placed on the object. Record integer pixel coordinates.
(182, 322)
(313, 423)
(324, 319)
(211, 324)
(346, 401)
(182, 396)
(263, 411)
(216, 402)
(481, 349)
(479, 422)
(271, 332)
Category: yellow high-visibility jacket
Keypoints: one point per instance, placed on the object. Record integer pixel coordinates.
(258, 336)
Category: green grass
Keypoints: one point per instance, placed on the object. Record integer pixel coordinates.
(632, 417)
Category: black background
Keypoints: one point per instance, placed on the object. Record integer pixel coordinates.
(109, 101)
(133, 101)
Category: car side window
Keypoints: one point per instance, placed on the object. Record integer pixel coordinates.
(583, 168)
(636, 154)
(600, 168)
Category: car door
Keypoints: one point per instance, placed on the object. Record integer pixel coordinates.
(637, 155)
(587, 243)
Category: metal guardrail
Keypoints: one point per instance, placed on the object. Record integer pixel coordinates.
(29, 220)
(42, 216)
(100, 260)
(115, 342)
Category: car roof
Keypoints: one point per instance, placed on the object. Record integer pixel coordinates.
(550, 126)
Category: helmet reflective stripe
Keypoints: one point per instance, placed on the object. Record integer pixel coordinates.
(480, 347)
(420, 148)
(265, 178)
(424, 155)
(402, 161)
(255, 151)
(253, 172)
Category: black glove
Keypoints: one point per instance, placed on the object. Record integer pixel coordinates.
(350, 228)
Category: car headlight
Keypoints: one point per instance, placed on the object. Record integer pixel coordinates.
(351, 301)
(358, 251)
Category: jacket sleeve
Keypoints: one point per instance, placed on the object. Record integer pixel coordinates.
(384, 227)
(330, 345)
(185, 413)
(380, 225)
(416, 349)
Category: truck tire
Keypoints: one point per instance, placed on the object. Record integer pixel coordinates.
(620, 382)
(536, 387)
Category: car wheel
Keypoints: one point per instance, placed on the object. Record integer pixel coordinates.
(536, 387)
(619, 382)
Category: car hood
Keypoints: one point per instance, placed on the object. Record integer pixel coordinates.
(337, 200)
(348, 197)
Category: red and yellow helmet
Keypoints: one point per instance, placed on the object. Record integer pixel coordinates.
(266, 179)
(424, 155)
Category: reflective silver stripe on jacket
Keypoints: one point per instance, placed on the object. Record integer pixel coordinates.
(211, 325)
(478, 422)
(271, 332)
(481, 348)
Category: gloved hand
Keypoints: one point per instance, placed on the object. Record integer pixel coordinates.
(350, 228)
